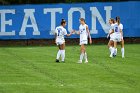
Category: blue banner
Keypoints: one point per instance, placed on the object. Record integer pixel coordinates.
(39, 21)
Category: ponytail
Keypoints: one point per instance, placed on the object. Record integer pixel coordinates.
(118, 20)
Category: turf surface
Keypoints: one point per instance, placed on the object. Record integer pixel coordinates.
(33, 70)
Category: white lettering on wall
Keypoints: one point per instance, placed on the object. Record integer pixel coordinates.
(29, 15)
(95, 14)
(70, 16)
(4, 22)
(53, 17)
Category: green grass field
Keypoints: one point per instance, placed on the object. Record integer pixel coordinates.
(33, 70)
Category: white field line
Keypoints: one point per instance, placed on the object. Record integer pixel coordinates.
(56, 85)
(29, 84)
(35, 84)
(23, 83)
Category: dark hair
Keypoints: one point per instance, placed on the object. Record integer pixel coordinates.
(82, 19)
(63, 21)
(118, 20)
(113, 21)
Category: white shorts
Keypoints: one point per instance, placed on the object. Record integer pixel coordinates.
(60, 41)
(112, 37)
(118, 38)
(122, 38)
(85, 42)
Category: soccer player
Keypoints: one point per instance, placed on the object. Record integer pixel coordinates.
(118, 36)
(122, 42)
(60, 31)
(84, 34)
(111, 42)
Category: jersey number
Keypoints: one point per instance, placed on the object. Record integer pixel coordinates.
(116, 29)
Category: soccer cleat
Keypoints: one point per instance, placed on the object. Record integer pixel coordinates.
(111, 56)
(57, 61)
(114, 55)
(79, 62)
(86, 61)
(63, 61)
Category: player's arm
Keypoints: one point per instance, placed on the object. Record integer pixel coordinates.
(121, 28)
(77, 32)
(55, 36)
(121, 32)
(111, 32)
(70, 33)
(90, 40)
(108, 35)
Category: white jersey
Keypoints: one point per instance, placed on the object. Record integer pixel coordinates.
(117, 28)
(60, 32)
(111, 35)
(83, 34)
(117, 32)
(121, 26)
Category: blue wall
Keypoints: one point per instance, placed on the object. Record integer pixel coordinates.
(128, 12)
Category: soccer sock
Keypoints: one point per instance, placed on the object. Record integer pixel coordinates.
(115, 51)
(85, 56)
(112, 51)
(63, 55)
(81, 56)
(58, 54)
(122, 50)
(110, 48)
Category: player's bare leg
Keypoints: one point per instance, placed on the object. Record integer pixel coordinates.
(113, 49)
(58, 53)
(63, 52)
(85, 56)
(110, 45)
(82, 50)
(122, 48)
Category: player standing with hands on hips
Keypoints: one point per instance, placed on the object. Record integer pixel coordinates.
(60, 32)
(84, 34)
